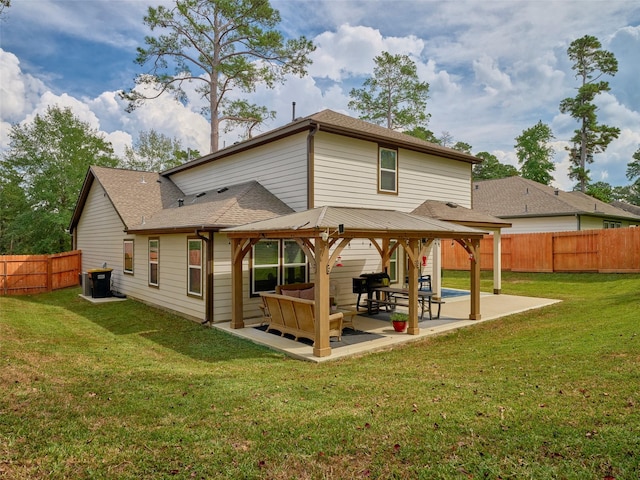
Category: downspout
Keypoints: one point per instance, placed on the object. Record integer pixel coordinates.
(208, 301)
(578, 221)
(310, 167)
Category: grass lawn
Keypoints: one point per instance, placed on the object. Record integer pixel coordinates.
(121, 390)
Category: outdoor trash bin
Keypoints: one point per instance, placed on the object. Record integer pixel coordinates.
(100, 282)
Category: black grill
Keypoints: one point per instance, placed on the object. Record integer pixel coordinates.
(366, 283)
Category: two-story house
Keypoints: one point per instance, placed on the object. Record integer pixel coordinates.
(164, 234)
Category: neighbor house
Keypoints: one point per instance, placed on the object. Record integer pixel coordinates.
(533, 207)
(165, 235)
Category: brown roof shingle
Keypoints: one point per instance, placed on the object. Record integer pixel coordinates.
(516, 197)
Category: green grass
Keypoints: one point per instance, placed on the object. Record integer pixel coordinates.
(121, 390)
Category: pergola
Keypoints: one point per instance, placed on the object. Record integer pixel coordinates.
(324, 232)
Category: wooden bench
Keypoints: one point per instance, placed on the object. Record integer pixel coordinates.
(296, 316)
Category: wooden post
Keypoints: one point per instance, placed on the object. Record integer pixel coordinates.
(414, 268)
(237, 315)
(321, 347)
(475, 280)
(497, 262)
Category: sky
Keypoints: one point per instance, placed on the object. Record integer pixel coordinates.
(495, 68)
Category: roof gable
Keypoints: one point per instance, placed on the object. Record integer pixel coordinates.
(134, 194)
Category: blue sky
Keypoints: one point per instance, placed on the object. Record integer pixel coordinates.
(495, 67)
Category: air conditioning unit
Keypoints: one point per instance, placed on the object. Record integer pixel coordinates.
(86, 284)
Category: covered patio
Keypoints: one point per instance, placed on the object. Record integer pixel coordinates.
(324, 232)
(372, 334)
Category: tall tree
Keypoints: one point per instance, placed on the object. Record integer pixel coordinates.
(50, 157)
(491, 168)
(534, 153)
(393, 97)
(633, 174)
(590, 63)
(155, 152)
(224, 46)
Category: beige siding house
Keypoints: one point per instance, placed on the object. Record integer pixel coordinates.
(161, 232)
(531, 207)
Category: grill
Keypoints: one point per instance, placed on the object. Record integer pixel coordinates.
(366, 283)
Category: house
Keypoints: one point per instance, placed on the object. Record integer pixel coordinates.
(176, 239)
(533, 207)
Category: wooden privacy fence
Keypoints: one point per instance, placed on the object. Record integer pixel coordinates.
(614, 250)
(25, 274)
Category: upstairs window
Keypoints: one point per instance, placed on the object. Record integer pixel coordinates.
(387, 170)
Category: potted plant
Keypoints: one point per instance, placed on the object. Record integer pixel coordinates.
(399, 321)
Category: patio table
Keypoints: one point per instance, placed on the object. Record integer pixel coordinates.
(392, 295)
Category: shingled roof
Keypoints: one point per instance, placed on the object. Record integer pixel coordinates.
(148, 202)
(454, 213)
(517, 197)
(215, 209)
(357, 222)
(339, 124)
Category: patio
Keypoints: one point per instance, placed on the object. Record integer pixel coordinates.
(375, 333)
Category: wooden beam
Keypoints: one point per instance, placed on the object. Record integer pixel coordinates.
(237, 312)
(412, 247)
(321, 346)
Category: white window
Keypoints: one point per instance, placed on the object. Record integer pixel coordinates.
(388, 171)
(194, 267)
(154, 261)
(127, 253)
(393, 264)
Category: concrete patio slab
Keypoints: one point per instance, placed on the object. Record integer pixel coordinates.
(379, 334)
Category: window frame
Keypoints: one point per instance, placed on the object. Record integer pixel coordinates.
(383, 170)
(280, 267)
(393, 264)
(192, 267)
(611, 224)
(125, 243)
(152, 262)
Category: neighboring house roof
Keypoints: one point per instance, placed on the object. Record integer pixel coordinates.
(517, 197)
(147, 202)
(627, 207)
(452, 212)
(356, 221)
(337, 123)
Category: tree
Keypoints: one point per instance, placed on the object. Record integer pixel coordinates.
(224, 46)
(462, 147)
(446, 139)
(491, 168)
(600, 190)
(393, 97)
(590, 63)
(155, 152)
(423, 134)
(48, 160)
(535, 154)
(633, 174)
